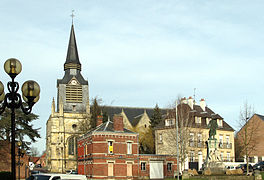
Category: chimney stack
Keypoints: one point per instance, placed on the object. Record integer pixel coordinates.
(190, 102)
(183, 100)
(99, 120)
(118, 123)
(202, 104)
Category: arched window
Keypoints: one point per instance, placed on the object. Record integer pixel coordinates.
(72, 145)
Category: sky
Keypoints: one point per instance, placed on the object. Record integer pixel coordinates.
(141, 52)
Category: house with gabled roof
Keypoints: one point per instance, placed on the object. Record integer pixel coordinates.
(194, 119)
(133, 117)
(251, 134)
(111, 151)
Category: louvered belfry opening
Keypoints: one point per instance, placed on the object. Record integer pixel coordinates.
(73, 93)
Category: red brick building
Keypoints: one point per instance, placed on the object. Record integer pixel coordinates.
(250, 138)
(5, 160)
(111, 151)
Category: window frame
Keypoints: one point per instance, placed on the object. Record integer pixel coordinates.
(228, 158)
(72, 145)
(169, 167)
(112, 145)
(129, 147)
(192, 156)
(145, 166)
(160, 138)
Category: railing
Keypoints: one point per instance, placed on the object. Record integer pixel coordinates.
(202, 144)
(225, 145)
(199, 144)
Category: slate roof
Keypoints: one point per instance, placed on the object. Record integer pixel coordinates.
(72, 53)
(67, 77)
(108, 127)
(198, 111)
(260, 116)
(72, 58)
(133, 113)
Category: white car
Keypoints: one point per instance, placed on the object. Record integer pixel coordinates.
(56, 177)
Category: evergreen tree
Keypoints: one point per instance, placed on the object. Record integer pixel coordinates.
(156, 117)
(95, 111)
(24, 127)
(105, 116)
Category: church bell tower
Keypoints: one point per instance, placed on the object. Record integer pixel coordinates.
(73, 91)
(73, 112)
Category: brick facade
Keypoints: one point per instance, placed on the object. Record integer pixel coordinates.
(254, 131)
(5, 160)
(107, 152)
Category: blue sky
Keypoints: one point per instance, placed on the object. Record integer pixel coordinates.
(141, 52)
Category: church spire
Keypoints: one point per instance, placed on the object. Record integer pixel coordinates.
(72, 59)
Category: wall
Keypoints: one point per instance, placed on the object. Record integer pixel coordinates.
(59, 129)
(94, 159)
(168, 144)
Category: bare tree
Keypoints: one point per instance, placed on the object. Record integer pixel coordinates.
(34, 151)
(246, 138)
(89, 120)
(185, 124)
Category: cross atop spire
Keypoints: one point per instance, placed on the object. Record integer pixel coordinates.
(72, 59)
(72, 15)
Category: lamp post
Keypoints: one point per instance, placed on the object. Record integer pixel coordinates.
(20, 153)
(13, 100)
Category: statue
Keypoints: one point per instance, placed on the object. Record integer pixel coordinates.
(213, 160)
(213, 126)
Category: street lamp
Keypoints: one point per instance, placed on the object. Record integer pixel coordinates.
(12, 100)
(20, 153)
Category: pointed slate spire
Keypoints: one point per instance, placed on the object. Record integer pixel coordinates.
(72, 59)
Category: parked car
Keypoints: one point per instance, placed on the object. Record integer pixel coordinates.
(34, 172)
(38, 166)
(230, 167)
(259, 166)
(56, 177)
(71, 172)
(244, 167)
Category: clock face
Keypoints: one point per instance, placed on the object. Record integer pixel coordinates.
(73, 82)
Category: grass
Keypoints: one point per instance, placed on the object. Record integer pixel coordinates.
(189, 179)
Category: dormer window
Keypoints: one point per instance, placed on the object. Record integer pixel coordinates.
(198, 120)
(220, 122)
(208, 120)
(168, 122)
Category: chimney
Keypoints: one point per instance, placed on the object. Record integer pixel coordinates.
(99, 120)
(118, 123)
(183, 100)
(202, 104)
(190, 102)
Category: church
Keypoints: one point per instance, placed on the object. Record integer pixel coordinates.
(73, 110)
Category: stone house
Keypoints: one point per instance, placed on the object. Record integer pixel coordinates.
(253, 129)
(194, 119)
(112, 152)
